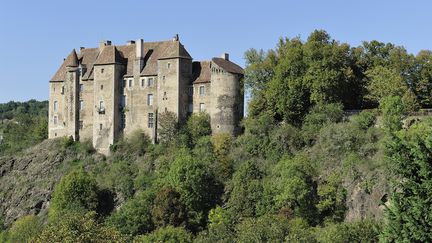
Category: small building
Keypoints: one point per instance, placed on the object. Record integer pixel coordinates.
(101, 93)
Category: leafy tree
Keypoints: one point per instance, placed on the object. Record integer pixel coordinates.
(245, 190)
(409, 210)
(134, 217)
(168, 234)
(222, 143)
(168, 208)
(359, 231)
(197, 186)
(77, 191)
(262, 229)
(392, 110)
(77, 227)
(198, 125)
(293, 180)
(167, 126)
(24, 229)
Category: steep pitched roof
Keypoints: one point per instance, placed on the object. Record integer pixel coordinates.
(70, 61)
(110, 55)
(201, 72)
(228, 66)
(87, 58)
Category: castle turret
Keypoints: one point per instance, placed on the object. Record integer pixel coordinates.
(71, 95)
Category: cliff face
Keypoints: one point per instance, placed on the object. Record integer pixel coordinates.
(28, 179)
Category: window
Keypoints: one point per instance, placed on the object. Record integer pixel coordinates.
(55, 105)
(150, 82)
(81, 105)
(166, 109)
(168, 65)
(190, 90)
(102, 70)
(150, 120)
(202, 90)
(55, 120)
(164, 96)
(150, 99)
(100, 126)
(124, 83)
(62, 90)
(202, 107)
(130, 82)
(163, 78)
(81, 88)
(101, 105)
(190, 107)
(101, 87)
(81, 125)
(142, 82)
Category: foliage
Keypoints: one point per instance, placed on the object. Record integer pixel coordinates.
(168, 234)
(77, 227)
(359, 231)
(198, 125)
(409, 211)
(168, 208)
(262, 229)
(24, 229)
(167, 126)
(134, 217)
(77, 191)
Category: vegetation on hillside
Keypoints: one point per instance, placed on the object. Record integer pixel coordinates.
(22, 124)
(300, 171)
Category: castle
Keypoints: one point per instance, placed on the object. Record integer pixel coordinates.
(105, 92)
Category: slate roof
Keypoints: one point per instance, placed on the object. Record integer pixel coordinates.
(228, 66)
(110, 55)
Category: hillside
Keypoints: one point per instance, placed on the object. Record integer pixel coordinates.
(300, 171)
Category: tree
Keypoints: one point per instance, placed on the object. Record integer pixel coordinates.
(198, 125)
(77, 191)
(245, 190)
(168, 208)
(77, 227)
(134, 217)
(24, 229)
(263, 229)
(197, 186)
(392, 110)
(168, 234)
(167, 126)
(409, 211)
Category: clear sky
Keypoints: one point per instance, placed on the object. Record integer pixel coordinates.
(35, 36)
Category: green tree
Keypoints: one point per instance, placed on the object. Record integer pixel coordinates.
(134, 217)
(263, 229)
(77, 227)
(392, 110)
(24, 229)
(168, 208)
(167, 126)
(245, 190)
(77, 191)
(409, 210)
(198, 125)
(168, 234)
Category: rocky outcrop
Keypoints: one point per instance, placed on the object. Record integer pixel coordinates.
(27, 180)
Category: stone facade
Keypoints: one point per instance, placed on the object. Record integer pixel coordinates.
(101, 93)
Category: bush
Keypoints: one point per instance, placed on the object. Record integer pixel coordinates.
(167, 235)
(198, 125)
(77, 191)
(24, 229)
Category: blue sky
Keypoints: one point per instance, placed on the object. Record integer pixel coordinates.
(35, 36)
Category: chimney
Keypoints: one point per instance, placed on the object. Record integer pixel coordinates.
(104, 43)
(82, 48)
(225, 56)
(139, 48)
(139, 60)
(130, 42)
